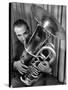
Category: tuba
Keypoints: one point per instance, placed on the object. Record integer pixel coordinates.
(42, 52)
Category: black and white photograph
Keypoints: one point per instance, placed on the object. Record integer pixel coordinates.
(37, 44)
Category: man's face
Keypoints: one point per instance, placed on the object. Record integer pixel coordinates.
(21, 32)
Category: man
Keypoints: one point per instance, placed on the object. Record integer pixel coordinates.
(18, 67)
(22, 32)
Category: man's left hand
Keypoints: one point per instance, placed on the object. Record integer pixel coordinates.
(44, 67)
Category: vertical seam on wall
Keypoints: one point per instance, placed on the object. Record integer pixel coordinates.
(58, 61)
(61, 15)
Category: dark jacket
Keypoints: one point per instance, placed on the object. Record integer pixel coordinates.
(18, 53)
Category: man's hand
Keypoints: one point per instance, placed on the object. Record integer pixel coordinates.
(20, 67)
(44, 67)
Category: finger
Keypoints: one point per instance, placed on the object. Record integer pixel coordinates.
(20, 72)
(23, 70)
(20, 69)
(24, 66)
(40, 68)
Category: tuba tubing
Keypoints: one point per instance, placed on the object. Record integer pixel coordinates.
(51, 49)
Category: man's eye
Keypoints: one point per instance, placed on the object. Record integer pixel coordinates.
(25, 32)
(18, 35)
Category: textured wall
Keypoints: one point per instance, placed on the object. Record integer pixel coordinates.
(20, 11)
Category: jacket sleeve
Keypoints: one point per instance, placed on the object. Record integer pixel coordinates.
(19, 51)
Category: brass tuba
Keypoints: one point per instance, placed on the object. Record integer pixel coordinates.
(42, 52)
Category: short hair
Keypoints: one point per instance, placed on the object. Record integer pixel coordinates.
(21, 22)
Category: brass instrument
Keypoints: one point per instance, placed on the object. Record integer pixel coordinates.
(42, 51)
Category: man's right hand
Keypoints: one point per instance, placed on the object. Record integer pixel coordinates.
(20, 67)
